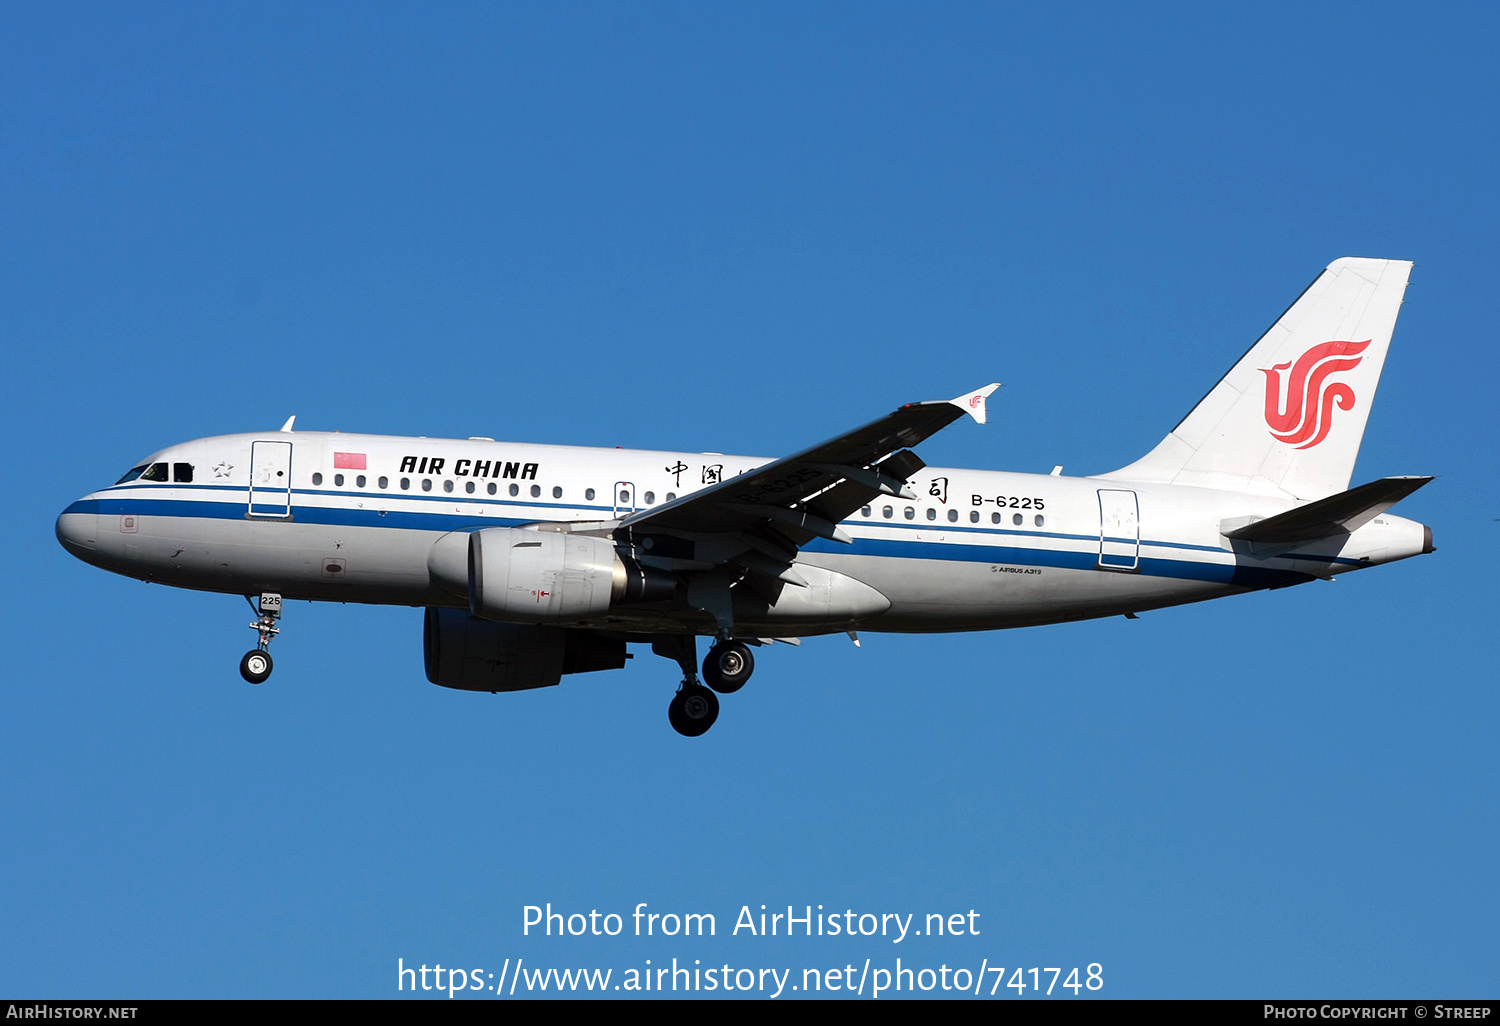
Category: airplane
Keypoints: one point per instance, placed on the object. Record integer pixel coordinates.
(534, 562)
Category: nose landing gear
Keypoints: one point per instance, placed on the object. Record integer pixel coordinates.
(256, 666)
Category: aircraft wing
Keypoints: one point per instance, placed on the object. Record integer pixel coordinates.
(805, 495)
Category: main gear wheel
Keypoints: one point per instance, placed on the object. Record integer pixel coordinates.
(693, 710)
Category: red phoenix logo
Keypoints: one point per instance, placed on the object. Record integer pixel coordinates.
(1302, 413)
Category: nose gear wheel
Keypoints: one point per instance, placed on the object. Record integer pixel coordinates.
(256, 666)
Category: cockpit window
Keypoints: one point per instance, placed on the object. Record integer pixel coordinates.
(182, 472)
(155, 472)
(132, 474)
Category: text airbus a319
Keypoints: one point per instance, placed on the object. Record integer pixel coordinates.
(537, 561)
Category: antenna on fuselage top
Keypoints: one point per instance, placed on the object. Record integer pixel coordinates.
(287, 427)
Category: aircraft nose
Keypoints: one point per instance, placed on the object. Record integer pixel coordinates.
(78, 530)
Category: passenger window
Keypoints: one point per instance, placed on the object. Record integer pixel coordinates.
(469, 487)
(1041, 521)
(426, 484)
(953, 516)
(536, 491)
(994, 518)
(650, 498)
(1018, 520)
(447, 486)
(671, 496)
(865, 512)
(557, 493)
(491, 488)
(973, 516)
(887, 512)
(911, 512)
(359, 482)
(931, 513)
(182, 472)
(405, 484)
(132, 474)
(155, 472)
(588, 494)
(383, 482)
(338, 480)
(317, 479)
(515, 489)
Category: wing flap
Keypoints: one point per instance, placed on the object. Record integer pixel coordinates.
(844, 498)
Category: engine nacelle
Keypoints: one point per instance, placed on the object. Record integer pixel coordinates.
(540, 576)
(482, 655)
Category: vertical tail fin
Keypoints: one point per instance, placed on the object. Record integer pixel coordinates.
(1289, 417)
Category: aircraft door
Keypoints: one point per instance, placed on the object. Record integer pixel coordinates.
(625, 498)
(1119, 530)
(271, 479)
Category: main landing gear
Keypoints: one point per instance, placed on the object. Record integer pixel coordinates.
(693, 709)
(256, 666)
(726, 668)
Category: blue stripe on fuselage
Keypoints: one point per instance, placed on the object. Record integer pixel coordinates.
(1013, 555)
(1183, 569)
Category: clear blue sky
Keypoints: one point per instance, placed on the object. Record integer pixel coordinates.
(744, 229)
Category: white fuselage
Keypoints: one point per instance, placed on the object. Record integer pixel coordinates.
(283, 512)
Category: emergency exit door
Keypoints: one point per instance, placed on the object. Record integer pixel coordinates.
(626, 501)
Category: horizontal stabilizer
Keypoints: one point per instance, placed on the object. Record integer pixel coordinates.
(1343, 513)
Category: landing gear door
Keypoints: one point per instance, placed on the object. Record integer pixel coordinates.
(1119, 530)
(625, 499)
(271, 479)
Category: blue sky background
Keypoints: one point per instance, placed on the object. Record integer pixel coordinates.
(741, 228)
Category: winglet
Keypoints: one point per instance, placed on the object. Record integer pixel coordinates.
(287, 427)
(972, 403)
